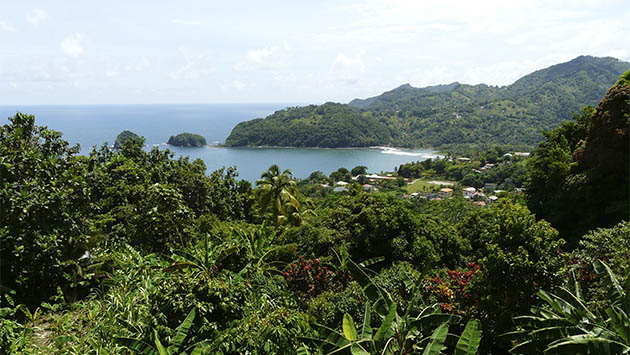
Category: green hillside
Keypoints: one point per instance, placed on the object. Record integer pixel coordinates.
(443, 115)
(329, 125)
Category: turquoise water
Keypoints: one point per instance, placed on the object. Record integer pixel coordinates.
(95, 125)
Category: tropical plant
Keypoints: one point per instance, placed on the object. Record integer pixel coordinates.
(278, 192)
(398, 332)
(203, 260)
(569, 326)
(175, 345)
(258, 245)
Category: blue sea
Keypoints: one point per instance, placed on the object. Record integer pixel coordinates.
(95, 125)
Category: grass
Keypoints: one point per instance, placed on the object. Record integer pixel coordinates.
(421, 185)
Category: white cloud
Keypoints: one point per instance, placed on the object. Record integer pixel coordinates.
(185, 22)
(196, 66)
(6, 27)
(36, 16)
(268, 58)
(238, 85)
(73, 45)
(346, 69)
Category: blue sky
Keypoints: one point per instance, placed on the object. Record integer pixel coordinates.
(100, 52)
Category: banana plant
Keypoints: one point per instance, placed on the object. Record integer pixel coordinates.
(568, 326)
(175, 346)
(210, 257)
(398, 333)
(259, 244)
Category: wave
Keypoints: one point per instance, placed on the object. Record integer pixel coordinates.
(409, 153)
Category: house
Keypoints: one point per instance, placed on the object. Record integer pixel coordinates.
(492, 199)
(341, 183)
(340, 189)
(469, 192)
(480, 203)
(378, 177)
(431, 196)
(488, 166)
(368, 187)
(521, 154)
(490, 186)
(445, 192)
(463, 159)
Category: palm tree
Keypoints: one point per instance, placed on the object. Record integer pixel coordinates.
(278, 192)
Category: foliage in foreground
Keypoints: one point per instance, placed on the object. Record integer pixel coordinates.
(568, 326)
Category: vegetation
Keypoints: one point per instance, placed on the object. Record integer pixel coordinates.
(444, 116)
(578, 178)
(187, 140)
(330, 125)
(570, 326)
(123, 137)
(132, 251)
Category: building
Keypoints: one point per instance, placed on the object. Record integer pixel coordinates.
(445, 192)
(469, 192)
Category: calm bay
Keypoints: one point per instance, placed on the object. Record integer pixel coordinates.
(94, 125)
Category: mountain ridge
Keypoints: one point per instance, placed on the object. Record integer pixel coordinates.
(447, 114)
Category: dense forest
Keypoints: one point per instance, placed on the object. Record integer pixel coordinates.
(443, 116)
(187, 140)
(132, 251)
(328, 125)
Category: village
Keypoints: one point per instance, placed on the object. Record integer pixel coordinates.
(482, 180)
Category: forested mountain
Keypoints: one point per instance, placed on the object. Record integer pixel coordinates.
(443, 115)
(327, 125)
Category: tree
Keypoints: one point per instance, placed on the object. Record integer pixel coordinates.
(123, 137)
(359, 170)
(517, 256)
(44, 196)
(342, 174)
(278, 192)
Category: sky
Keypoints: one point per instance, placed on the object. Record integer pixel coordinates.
(200, 51)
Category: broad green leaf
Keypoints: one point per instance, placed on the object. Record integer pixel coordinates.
(158, 345)
(366, 331)
(431, 321)
(181, 332)
(372, 261)
(373, 293)
(386, 325)
(349, 329)
(576, 302)
(469, 340)
(586, 344)
(436, 344)
(357, 349)
(329, 336)
(530, 347)
(136, 345)
(617, 292)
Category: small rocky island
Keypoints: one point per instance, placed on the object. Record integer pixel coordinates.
(187, 140)
(123, 137)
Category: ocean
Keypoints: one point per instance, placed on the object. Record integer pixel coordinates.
(95, 125)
